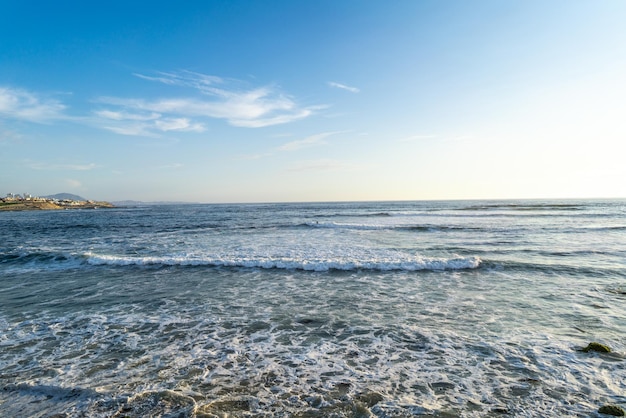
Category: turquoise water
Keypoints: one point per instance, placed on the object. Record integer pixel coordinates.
(342, 309)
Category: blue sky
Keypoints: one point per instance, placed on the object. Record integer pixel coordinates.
(246, 101)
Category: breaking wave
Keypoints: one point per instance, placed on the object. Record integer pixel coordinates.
(406, 263)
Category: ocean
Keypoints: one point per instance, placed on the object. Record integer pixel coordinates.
(386, 309)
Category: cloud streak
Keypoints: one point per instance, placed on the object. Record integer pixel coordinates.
(306, 142)
(200, 98)
(343, 87)
(204, 83)
(141, 123)
(310, 141)
(69, 167)
(24, 105)
(215, 98)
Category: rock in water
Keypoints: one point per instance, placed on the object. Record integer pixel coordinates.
(370, 398)
(597, 347)
(613, 410)
(165, 403)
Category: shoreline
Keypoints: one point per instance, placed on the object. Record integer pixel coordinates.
(32, 205)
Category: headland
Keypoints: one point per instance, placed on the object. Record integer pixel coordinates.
(27, 202)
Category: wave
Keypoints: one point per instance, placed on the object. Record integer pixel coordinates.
(529, 206)
(573, 270)
(354, 215)
(367, 227)
(326, 264)
(339, 225)
(603, 228)
(36, 256)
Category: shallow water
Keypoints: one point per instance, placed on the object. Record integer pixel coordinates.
(363, 309)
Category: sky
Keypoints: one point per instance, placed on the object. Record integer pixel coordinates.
(325, 100)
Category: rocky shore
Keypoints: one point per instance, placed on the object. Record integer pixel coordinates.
(50, 205)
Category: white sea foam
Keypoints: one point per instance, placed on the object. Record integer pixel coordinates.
(82, 334)
(289, 363)
(404, 263)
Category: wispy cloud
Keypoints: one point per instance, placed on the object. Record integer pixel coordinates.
(178, 124)
(71, 167)
(8, 135)
(199, 98)
(306, 142)
(122, 115)
(24, 105)
(171, 166)
(131, 129)
(143, 123)
(218, 99)
(202, 82)
(310, 141)
(344, 87)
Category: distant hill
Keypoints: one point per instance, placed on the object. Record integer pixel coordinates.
(63, 196)
(128, 203)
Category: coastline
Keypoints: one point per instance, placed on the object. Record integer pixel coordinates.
(35, 205)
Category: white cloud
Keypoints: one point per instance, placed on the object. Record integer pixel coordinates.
(275, 120)
(186, 78)
(72, 167)
(117, 115)
(178, 124)
(306, 142)
(132, 129)
(207, 97)
(344, 87)
(142, 123)
(24, 105)
(171, 166)
(220, 99)
(251, 110)
(79, 167)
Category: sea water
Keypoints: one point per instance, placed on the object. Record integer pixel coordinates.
(472, 309)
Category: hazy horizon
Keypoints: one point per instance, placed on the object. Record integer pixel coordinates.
(244, 102)
(304, 202)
